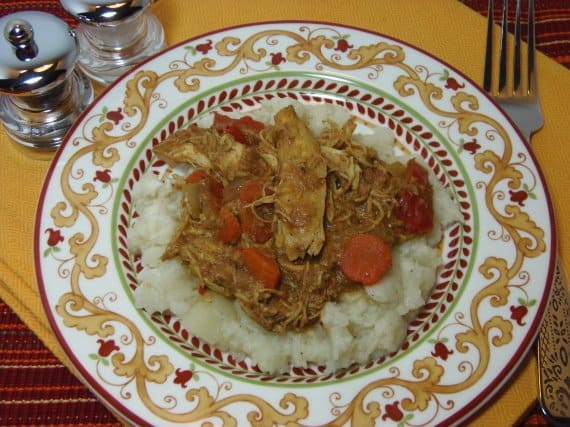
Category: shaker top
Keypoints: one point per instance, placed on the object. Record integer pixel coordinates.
(103, 11)
(37, 50)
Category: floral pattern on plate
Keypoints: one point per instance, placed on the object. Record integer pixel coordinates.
(463, 345)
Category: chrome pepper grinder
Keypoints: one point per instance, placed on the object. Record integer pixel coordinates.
(41, 91)
(114, 35)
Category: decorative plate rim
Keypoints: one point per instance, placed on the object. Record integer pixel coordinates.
(467, 410)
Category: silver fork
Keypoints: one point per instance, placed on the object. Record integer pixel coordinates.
(519, 98)
(516, 91)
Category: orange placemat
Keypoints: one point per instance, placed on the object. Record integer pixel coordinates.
(26, 364)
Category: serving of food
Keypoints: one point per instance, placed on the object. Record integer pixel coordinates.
(294, 224)
(285, 242)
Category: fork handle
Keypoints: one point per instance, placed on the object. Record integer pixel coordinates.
(554, 352)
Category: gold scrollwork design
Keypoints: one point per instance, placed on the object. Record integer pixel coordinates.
(425, 385)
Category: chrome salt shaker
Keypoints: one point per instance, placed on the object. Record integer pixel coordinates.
(41, 91)
(114, 35)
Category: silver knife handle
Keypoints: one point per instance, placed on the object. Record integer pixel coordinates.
(554, 353)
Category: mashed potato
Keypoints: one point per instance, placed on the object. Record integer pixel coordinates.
(359, 327)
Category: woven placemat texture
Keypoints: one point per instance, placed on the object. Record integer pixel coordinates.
(552, 25)
(36, 388)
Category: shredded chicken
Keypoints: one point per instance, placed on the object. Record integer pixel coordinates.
(301, 193)
(294, 197)
(208, 149)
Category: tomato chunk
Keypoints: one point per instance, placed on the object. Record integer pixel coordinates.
(197, 176)
(259, 230)
(415, 206)
(244, 130)
(252, 190)
(216, 188)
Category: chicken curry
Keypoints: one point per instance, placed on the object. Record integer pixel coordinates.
(284, 220)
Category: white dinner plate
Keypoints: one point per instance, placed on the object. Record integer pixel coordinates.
(476, 327)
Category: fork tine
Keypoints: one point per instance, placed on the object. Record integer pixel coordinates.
(517, 52)
(531, 70)
(488, 73)
(516, 92)
(503, 48)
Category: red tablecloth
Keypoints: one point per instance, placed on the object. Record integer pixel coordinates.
(36, 389)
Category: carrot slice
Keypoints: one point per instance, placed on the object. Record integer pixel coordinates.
(365, 259)
(262, 267)
(230, 229)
